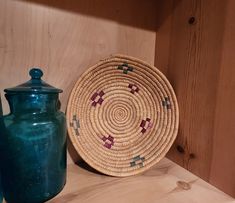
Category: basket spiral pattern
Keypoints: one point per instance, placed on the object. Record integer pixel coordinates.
(122, 116)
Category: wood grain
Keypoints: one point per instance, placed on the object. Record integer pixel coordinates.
(194, 70)
(138, 14)
(223, 160)
(163, 35)
(164, 183)
(63, 43)
(201, 70)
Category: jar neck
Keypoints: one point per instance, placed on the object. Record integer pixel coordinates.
(26, 103)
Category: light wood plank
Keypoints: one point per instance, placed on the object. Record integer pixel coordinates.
(164, 183)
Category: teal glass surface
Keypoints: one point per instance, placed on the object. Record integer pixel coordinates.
(1, 122)
(1, 197)
(34, 143)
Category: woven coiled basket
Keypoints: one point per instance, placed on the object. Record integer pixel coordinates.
(122, 116)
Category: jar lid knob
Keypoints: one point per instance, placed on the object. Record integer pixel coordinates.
(36, 73)
(34, 85)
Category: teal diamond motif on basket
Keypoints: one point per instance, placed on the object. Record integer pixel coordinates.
(125, 68)
(75, 124)
(137, 160)
(166, 103)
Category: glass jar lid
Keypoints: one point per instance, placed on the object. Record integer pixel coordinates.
(35, 85)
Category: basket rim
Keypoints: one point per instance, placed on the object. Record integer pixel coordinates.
(69, 111)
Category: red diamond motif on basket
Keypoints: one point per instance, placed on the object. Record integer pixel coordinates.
(133, 88)
(97, 98)
(145, 125)
(108, 141)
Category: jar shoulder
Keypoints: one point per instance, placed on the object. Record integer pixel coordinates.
(30, 119)
(33, 127)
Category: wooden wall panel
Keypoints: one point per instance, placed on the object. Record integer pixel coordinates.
(223, 162)
(163, 34)
(201, 70)
(65, 42)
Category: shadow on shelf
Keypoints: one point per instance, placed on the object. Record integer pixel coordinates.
(78, 160)
(147, 15)
(85, 166)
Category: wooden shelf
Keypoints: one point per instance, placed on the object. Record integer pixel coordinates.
(191, 42)
(166, 182)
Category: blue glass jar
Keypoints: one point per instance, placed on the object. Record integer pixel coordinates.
(34, 143)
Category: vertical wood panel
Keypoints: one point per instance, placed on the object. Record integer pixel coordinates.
(194, 69)
(163, 34)
(223, 162)
(201, 69)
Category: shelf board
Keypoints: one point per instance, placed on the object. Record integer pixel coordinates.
(164, 183)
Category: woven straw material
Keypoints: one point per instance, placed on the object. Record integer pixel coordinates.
(122, 116)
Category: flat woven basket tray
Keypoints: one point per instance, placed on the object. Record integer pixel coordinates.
(122, 116)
